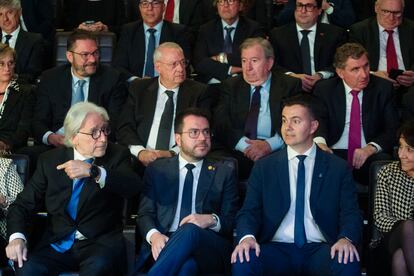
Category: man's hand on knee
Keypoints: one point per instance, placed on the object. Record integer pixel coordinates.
(242, 250)
(158, 242)
(16, 251)
(346, 251)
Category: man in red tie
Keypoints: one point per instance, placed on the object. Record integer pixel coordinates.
(358, 115)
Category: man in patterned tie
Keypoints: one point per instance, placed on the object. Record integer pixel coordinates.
(82, 186)
(300, 215)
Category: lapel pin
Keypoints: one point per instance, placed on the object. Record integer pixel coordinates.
(211, 168)
(320, 175)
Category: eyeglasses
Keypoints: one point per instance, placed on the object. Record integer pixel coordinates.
(223, 2)
(9, 64)
(175, 64)
(397, 14)
(146, 4)
(96, 133)
(307, 7)
(194, 133)
(85, 55)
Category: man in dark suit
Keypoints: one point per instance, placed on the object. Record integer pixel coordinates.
(82, 186)
(28, 46)
(358, 117)
(311, 45)
(217, 53)
(187, 211)
(146, 123)
(38, 17)
(300, 215)
(247, 116)
(388, 30)
(139, 39)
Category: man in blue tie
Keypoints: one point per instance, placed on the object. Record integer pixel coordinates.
(187, 210)
(300, 215)
(82, 186)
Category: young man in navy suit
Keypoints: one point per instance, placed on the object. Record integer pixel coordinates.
(187, 210)
(300, 215)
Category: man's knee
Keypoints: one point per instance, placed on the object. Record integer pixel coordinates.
(251, 267)
(99, 265)
(32, 267)
(348, 269)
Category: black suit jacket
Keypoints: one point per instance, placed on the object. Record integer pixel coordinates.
(138, 113)
(99, 216)
(367, 33)
(287, 47)
(30, 55)
(210, 43)
(130, 52)
(38, 17)
(234, 105)
(379, 114)
(54, 96)
(216, 193)
(17, 115)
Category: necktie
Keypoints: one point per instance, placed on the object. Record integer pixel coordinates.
(164, 131)
(300, 234)
(250, 128)
(305, 50)
(149, 64)
(66, 243)
(354, 137)
(187, 198)
(392, 62)
(169, 11)
(7, 39)
(79, 95)
(228, 43)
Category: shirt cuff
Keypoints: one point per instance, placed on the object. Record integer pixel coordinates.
(319, 140)
(229, 71)
(241, 145)
(326, 74)
(45, 136)
(275, 142)
(132, 78)
(102, 178)
(149, 234)
(217, 227)
(329, 10)
(136, 149)
(378, 147)
(17, 235)
(245, 237)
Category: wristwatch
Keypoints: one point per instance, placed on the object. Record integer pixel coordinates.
(215, 218)
(94, 171)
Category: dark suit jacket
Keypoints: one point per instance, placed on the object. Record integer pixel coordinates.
(99, 215)
(216, 193)
(17, 116)
(38, 17)
(287, 47)
(138, 113)
(379, 114)
(130, 52)
(54, 96)
(210, 43)
(30, 55)
(366, 33)
(234, 105)
(333, 200)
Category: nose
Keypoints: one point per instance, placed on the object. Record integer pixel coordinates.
(401, 152)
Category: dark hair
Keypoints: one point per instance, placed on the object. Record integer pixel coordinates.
(348, 50)
(179, 118)
(308, 101)
(79, 34)
(318, 3)
(406, 131)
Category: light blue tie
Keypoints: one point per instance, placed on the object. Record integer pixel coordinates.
(66, 243)
(149, 65)
(300, 235)
(79, 95)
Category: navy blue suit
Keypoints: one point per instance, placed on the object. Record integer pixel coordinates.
(216, 193)
(333, 200)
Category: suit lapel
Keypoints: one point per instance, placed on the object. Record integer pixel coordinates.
(67, 88)
(67, 182)
(319, 40)
(275, 98)
(405, 44)
(244, 96)
(205, 181)
(20, 41)
(172, 185)
(93, 91)
(375, 45)
(367, 104)
(341, 104)
(149, 100)
(319, 172)
(139, 40)
(293, 41)
(12, 99)
(239, 34)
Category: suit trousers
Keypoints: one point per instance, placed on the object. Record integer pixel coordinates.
(192, 250)
(278, 258)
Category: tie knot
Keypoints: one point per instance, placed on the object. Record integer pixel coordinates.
(305, 32)
(258, 88)
(354, 93)
(8, 36)
(81, 83)
(390, 32)
(90, 160)
(151, 31)
(169, 93)
(229, 29)
(301, 157)
(190, 166)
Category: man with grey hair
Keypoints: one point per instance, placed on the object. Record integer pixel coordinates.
(247, 118)
(82, 186)
(28, 46)
(146, 124)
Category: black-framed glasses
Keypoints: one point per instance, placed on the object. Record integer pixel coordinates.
(397, 14)
(85, 55)
(223, 2)
(307, 7)
(194, 133)
(175, 64)
(154, 4)
(96, 133)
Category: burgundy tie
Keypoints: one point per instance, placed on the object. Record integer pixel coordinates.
(169, 11)
(392, 62)
(354, 137)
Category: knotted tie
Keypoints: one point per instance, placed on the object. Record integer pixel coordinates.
(79, 95)
(300, 234)
(250, 128)
(392, 62)
(305, 50)
(228, 43)
(7, 39)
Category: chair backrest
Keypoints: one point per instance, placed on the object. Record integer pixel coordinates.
(22, 165)
(106, 44)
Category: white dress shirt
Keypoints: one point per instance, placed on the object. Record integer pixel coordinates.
(383, 37)
(13, 39)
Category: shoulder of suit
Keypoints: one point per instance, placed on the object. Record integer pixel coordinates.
(138, 85)
(326, 86)
(173, 26)
(132, 25)
(194, 85)
(282, 29)
(56, 72)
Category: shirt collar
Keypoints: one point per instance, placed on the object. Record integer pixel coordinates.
(310, 153)
(13, 34)
(182, 162)
(312, 29)
(234, 25)
(75, 79)
(348, 89)
(382, 29)
(78, 156)
(265, 85)
(158, 27)
(162, 88)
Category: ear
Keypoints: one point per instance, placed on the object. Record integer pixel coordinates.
(177, 139)
(69, 56)
(270, 62)
(314, 126)
(75, 140)
(340, 72)
(157, 66)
